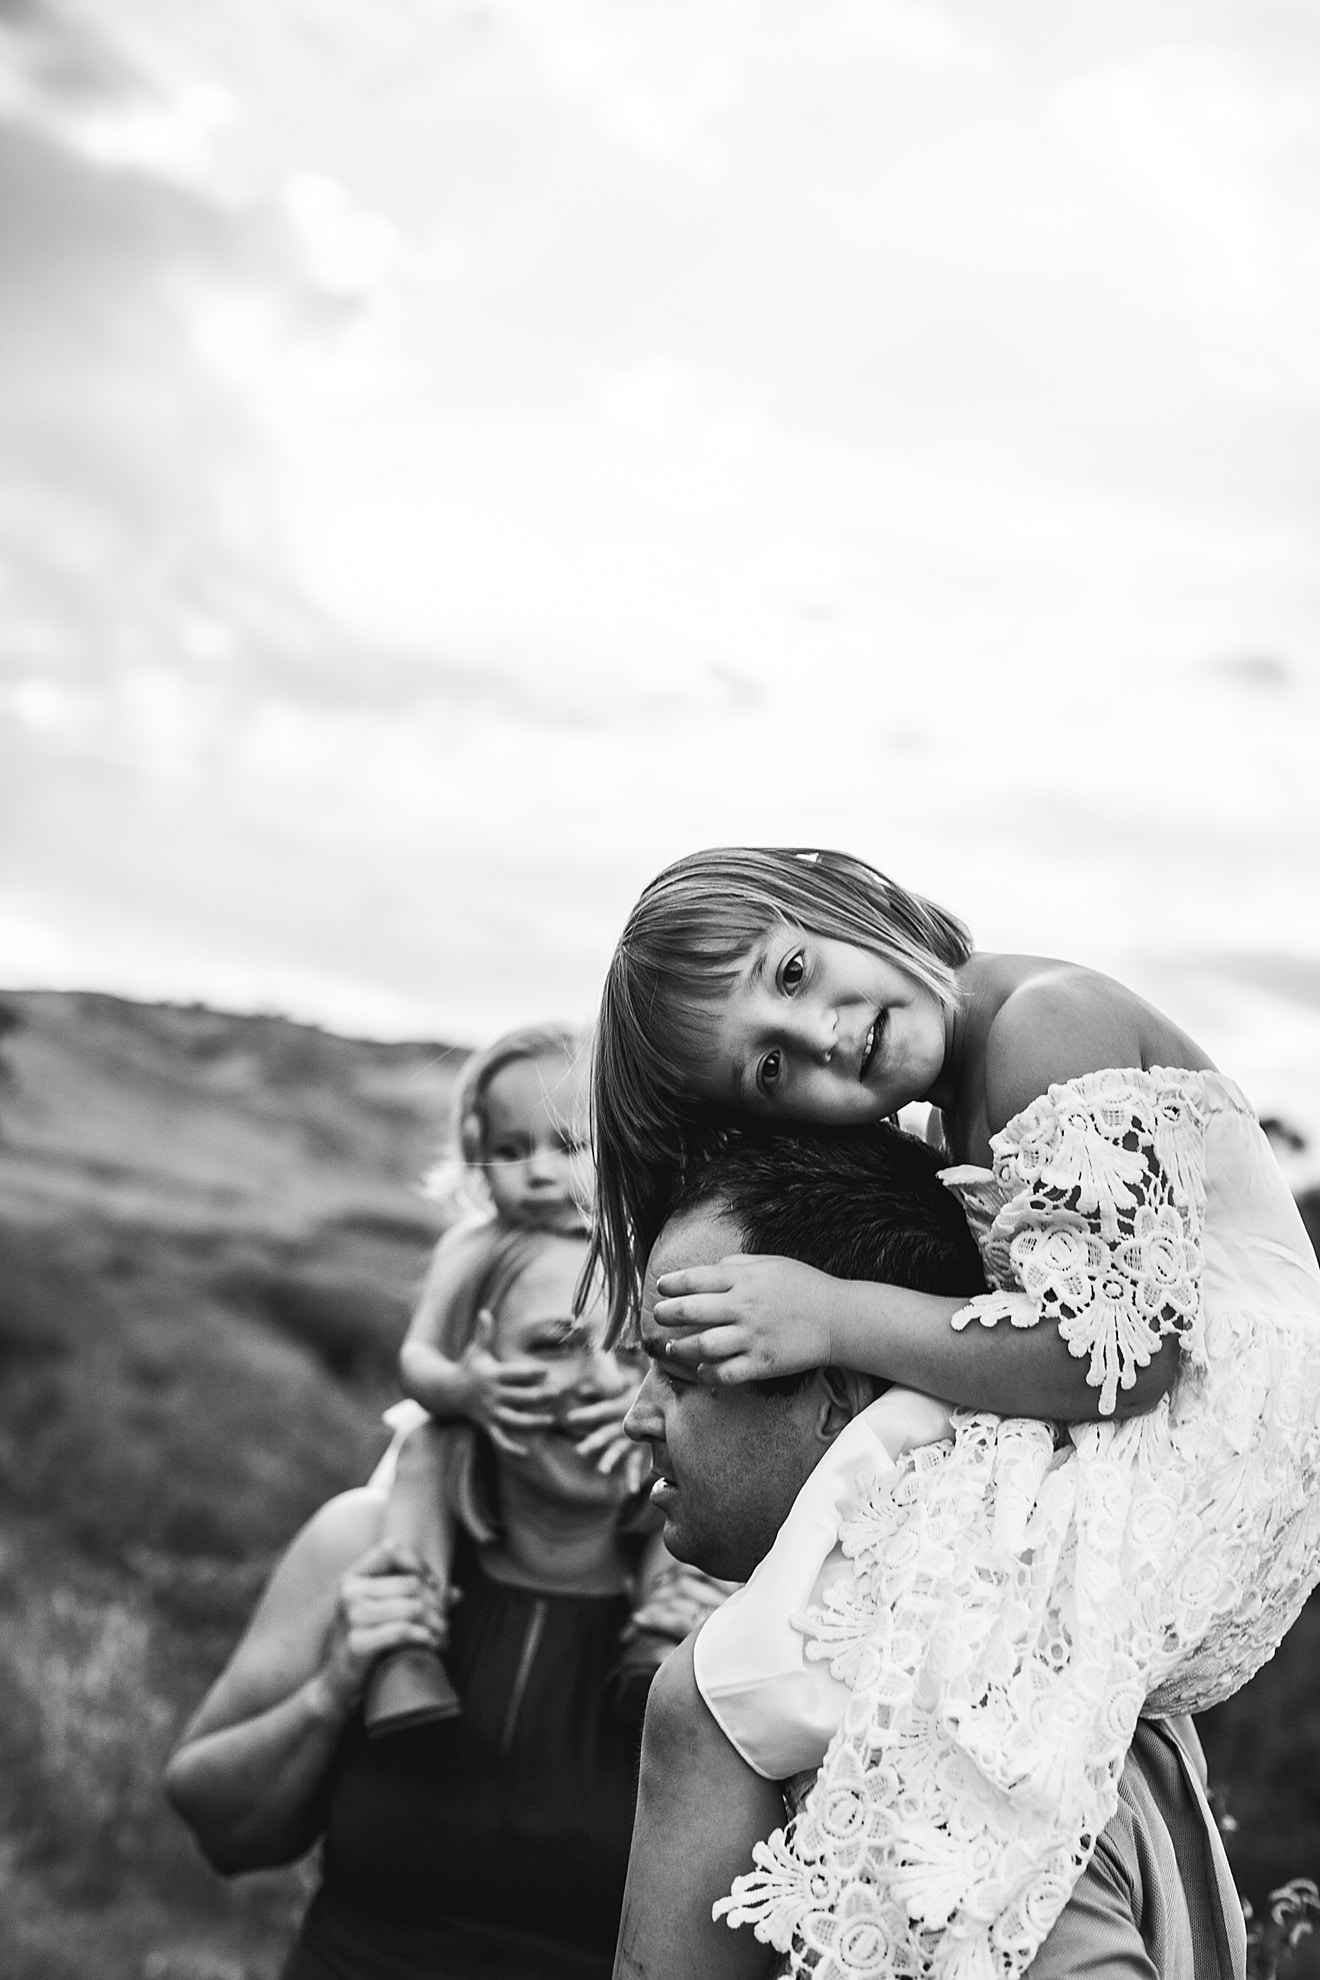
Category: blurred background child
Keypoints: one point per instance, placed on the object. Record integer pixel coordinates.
(518, 1161)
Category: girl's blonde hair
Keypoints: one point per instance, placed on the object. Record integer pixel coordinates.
(682, 948)
(456, 1181)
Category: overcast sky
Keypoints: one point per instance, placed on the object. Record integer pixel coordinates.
(457, 455)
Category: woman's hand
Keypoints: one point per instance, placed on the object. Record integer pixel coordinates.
(747, 1318)
(387, 1599)
(601, 1426)
(509, 1399)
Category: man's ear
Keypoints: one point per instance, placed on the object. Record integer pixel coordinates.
(843, 1394)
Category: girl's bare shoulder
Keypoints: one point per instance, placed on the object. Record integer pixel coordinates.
(1044, 1021)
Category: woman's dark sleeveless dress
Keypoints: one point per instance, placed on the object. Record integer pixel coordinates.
(492, 1846)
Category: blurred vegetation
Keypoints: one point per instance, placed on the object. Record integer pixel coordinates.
(194, 1353)
(209, 1242)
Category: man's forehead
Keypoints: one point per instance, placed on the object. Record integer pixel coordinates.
(694, 1237)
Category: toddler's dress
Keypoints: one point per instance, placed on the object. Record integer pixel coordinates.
(979, 1626)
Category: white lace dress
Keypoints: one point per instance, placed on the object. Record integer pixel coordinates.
(996, 1610)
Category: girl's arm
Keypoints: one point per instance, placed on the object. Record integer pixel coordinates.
(1096, 1250)
(749, 1318)
(249, 1774)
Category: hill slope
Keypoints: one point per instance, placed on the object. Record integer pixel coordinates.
(210, 1234)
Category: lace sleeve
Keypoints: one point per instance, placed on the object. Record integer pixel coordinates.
(1103, 1187)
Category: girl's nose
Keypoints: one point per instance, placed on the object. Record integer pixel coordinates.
(816, 1029)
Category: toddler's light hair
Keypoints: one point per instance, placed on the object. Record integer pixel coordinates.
(456, 1182)
(682, 949)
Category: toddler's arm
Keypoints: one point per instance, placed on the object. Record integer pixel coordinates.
(445, 1317)
(446, 1364)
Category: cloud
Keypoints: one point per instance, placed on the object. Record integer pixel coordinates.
(1221, 157)
(459, 457)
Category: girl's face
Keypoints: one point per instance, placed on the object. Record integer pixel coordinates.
(820, 1030)
(536, 1160)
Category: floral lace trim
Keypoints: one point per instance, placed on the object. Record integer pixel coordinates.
(1102, 1187)
(1017, 1600)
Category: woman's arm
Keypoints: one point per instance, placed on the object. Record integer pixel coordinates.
(249, 1773)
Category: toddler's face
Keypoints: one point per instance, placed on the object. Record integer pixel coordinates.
(820, 1030)
(537, 1162)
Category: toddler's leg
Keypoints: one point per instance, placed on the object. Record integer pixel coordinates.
(700, 1808)
(418, 1511)
(409, 1686)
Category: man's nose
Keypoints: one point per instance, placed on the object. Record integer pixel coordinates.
(642, 1423)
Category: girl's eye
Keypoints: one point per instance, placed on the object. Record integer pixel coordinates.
(792, 971)
(767, 1073)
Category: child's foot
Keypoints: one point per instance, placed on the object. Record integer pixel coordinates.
(408, 1687)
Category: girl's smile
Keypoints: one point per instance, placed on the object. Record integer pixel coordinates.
(817, 1029)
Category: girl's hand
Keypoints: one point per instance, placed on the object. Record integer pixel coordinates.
(602, 1438)
(388, 1598)
(747, 1318)
(507, 1398)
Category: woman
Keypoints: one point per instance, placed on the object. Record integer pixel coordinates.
(492, 1846)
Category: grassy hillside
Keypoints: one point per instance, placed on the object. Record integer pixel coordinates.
(209, 1239)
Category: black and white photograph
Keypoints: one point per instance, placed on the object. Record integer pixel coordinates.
(659, 990)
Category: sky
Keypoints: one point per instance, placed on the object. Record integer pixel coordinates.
(457, 456)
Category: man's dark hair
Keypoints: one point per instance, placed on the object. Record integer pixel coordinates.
(858, 1203)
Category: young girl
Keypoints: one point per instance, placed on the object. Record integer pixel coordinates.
(520, 1162)
(1020, 1592)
